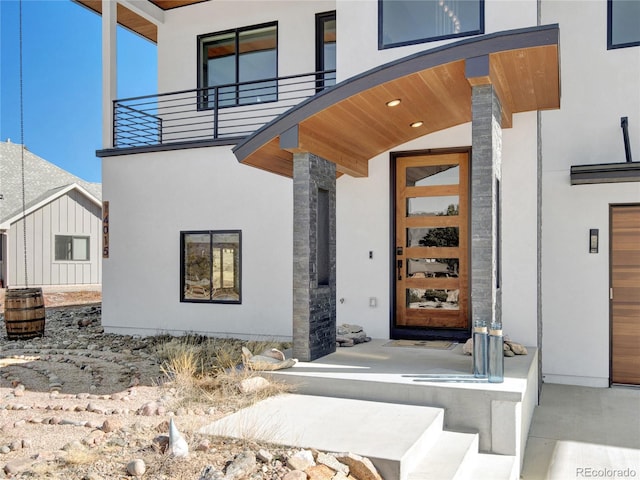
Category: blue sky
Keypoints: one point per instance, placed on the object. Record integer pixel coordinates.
(62, 78)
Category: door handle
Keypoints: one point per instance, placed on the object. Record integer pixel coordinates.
(399, 263)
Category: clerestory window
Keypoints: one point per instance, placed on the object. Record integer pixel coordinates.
(239, 66)
(406, 22)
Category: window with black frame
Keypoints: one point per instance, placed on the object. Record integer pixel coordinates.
(239, 67)
(326, 49)
(406, 22)
(623, 23)
(210, 266)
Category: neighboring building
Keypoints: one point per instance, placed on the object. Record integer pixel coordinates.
(63, 221)
(461, 203)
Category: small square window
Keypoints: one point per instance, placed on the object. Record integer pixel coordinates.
(623, 23)
(210, 266)
(71, 248)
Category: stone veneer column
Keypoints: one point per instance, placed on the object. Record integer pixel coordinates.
(314, 306)
(486, 157)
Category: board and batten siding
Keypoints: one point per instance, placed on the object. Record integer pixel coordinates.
(70, 214)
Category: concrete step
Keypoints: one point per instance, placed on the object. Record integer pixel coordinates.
(404, 442)
(486, 466)
(444, 459)
(392, 436)
(455, 456)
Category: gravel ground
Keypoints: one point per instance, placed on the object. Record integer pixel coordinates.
(80, 404)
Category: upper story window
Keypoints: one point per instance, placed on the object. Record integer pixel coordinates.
(326, 48)
(233, 59)
(71, 248)
(623, 23)
(406, 22)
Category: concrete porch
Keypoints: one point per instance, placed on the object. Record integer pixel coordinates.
(575, 432)
(500, 413)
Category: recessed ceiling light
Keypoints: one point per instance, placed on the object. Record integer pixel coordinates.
(417, 124)
(393, 103)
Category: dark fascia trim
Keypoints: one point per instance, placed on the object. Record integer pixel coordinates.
(605, 173)
(115, 152)
(463, 49)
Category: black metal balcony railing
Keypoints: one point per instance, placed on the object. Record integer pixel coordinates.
(223, 112)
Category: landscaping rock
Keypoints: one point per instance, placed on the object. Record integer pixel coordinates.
(360, 467)
(16, 466)
(262, 362)
(516, 348)
(242, 466)
(332, 462)
(253, 384)
(178, 446)
(350, 335)
(264, 455)
(136, 468)
(467, 348)
(320, 472)
(295, 475)
(301, 460)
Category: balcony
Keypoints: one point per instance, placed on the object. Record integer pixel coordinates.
(220, 115)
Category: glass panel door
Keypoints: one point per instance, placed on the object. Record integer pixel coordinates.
(431, 255)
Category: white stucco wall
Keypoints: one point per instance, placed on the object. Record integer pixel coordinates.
(155, 196)
(519, 229)
(598, 87)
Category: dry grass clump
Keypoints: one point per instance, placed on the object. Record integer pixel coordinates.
(80, 456)
(206, 354)
(210, 370)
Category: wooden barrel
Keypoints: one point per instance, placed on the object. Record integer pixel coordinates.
(24, 313)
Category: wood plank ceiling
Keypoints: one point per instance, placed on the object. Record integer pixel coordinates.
(355, 129)
(134, 22)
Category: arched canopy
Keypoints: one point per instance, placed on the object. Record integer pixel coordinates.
(350, 123)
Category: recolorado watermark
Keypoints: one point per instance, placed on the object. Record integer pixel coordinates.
(600, 472)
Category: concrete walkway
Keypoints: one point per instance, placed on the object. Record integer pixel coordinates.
(580, 432)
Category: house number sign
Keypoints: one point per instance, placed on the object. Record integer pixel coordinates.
(105, 229)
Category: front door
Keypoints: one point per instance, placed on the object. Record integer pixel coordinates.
(625, 294)
(431, 244)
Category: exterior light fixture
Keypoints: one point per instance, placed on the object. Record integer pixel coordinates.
(394, 103)
(593, 240)
(417, 124)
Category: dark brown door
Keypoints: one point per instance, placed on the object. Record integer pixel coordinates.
(625, 294)
(431, 257)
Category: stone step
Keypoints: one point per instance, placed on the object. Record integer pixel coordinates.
(444, 460)
(392, 436)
